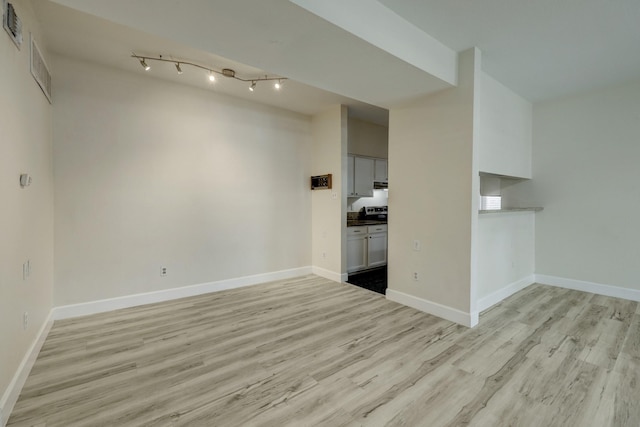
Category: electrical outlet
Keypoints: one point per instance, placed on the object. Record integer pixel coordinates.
(163, 271)
(25, 320)
(416, 277)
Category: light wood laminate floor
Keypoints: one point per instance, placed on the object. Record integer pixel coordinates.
(308, 351)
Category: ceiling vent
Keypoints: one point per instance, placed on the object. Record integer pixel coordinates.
(12, 23)
(39, 70)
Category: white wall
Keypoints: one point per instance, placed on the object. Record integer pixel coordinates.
(328, 222)
(433, 194)
(368, 139)
(151, 174)
(504, 120)
(26, 216)
(585, 162)
(506, 254)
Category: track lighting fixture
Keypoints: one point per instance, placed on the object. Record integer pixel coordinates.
(144, 64)
(226, 72)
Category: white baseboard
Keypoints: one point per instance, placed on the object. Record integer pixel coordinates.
(595, 288)
(328, 274)
(448, 313)
(12, 392)
(507, 291)
(100, 306)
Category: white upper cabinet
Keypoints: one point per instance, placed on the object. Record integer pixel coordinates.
(380, 170)
(360, 179)
(351, 191)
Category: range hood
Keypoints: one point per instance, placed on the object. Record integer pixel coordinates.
(380, 185)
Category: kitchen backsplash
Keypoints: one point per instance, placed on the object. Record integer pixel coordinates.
(380, 198)
(352, 216)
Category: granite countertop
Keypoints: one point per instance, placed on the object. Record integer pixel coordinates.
(506, 210)
(360, 222)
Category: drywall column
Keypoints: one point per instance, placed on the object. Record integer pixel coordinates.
(433, 199)
(26, 216)
(328, 221)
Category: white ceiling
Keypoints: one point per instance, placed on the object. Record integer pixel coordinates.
(75, 34)
(540, 49)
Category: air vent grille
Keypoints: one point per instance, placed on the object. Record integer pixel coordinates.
(12, 23)
(39, 70)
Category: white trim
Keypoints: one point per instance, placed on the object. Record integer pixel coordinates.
(430, 307)
(12, 392)
(328, 274)
(503, 293)
(126, 301)
(595, 288)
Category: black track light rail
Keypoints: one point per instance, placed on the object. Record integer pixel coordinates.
(226, 72)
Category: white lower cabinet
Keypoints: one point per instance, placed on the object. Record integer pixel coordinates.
(366, 247)
(356, 248)
(377, 250)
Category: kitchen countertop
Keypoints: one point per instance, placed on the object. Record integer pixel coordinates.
(506, 210)
(360, 222)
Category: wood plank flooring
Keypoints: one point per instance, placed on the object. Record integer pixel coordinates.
(307, 351)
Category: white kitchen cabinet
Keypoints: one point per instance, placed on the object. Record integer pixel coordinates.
(366, 247)
(350, 175)
(377, 246)
(363, 177)
(380, 170)
(356, 248)
(360, 173)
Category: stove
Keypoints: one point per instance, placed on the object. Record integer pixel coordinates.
(374, 212)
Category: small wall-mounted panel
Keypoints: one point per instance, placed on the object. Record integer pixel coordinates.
(321, 182)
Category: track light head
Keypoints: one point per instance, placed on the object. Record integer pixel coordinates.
(212, 78)
(253, 86)
(277, 84)
(178, 68)
(144, 64)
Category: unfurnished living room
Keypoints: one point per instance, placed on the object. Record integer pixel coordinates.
(191, 189)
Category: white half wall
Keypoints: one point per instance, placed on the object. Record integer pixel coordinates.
(26, 215)
(150, 174)
(585, 163)
(506, 255)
